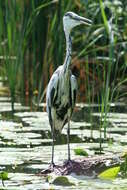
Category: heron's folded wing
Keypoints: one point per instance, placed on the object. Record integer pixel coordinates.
(52, 89)
(51, 95)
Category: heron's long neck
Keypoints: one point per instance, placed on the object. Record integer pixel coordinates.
(67, 61)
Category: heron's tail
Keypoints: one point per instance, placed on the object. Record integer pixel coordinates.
(57, 133)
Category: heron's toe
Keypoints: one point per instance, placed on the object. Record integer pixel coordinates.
(52, 165)
(68, 163)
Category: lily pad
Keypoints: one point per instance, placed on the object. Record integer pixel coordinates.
(63, 181)
(110, 173)
(80, 151)
(4, 176)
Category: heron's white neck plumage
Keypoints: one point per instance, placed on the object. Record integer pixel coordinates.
(67, 61)
(70, 20)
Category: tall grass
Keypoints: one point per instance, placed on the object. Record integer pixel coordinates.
(11, 34)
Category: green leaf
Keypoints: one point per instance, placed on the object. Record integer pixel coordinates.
(80, 151)
(62, 180)
(124, 155)
(110, 173)
(9, 33)
(4, 176)
(123, 167)
(44, 5)
(104, 16)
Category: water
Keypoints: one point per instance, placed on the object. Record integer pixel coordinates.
(25, 145)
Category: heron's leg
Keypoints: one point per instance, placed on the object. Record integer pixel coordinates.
(68, 140)
(52, 130)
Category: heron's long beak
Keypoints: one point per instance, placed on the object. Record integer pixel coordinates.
(83, 20)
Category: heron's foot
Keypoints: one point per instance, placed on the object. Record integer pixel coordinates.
(48, 170)
(68, 162)
(52, 165)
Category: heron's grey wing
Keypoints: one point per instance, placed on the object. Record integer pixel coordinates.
(52, 89)
(74, 88)
(51, 94)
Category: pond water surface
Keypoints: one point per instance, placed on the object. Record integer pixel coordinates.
(25, 145)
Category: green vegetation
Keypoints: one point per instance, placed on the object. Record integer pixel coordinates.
(80, 151)
(124, 167)
(113, 172)
(110, 173)
(62, 181)
(3, 177)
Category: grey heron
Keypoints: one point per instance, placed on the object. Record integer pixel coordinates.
(62, 87)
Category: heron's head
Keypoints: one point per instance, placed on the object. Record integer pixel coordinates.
(70, 20)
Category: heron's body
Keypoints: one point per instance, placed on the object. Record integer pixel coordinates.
(62, 87)
(60, 99)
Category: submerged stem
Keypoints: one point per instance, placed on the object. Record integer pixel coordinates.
(12, 101)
